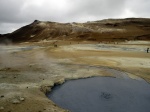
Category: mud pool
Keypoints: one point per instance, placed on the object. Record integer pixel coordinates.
(103, 94)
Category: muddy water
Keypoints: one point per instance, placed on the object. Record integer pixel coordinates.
(103, 94)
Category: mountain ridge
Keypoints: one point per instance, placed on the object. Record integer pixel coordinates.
(100, 30)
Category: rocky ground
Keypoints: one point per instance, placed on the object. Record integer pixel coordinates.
(29, 70)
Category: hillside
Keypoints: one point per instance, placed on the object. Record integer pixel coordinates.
(104, 30)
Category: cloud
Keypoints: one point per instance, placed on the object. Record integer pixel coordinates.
(14, 13)
(140, 7)
(10, 11)
(10, 27)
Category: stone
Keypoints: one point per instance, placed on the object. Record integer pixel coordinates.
(31, 65)
(2, 96)
(1, 108)
(15, 101)
(21, 99)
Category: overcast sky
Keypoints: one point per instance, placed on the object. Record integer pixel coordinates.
(16, 13)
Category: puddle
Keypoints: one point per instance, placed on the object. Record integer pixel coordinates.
(102, 94)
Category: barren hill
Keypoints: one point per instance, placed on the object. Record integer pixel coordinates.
(104, 30)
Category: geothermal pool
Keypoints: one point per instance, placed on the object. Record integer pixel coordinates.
(102, 94)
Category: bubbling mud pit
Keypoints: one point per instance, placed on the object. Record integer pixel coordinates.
(102, 94)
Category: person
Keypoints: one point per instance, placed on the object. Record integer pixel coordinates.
(147, 50)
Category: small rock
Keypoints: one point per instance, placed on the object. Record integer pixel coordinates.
(15, 101)
(31, 65)
(2, 96)
(22, 99)
(3, 77)
(1, 108)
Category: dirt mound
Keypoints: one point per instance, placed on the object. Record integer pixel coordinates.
(104, 30)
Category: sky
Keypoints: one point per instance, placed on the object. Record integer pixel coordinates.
(17, 13)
